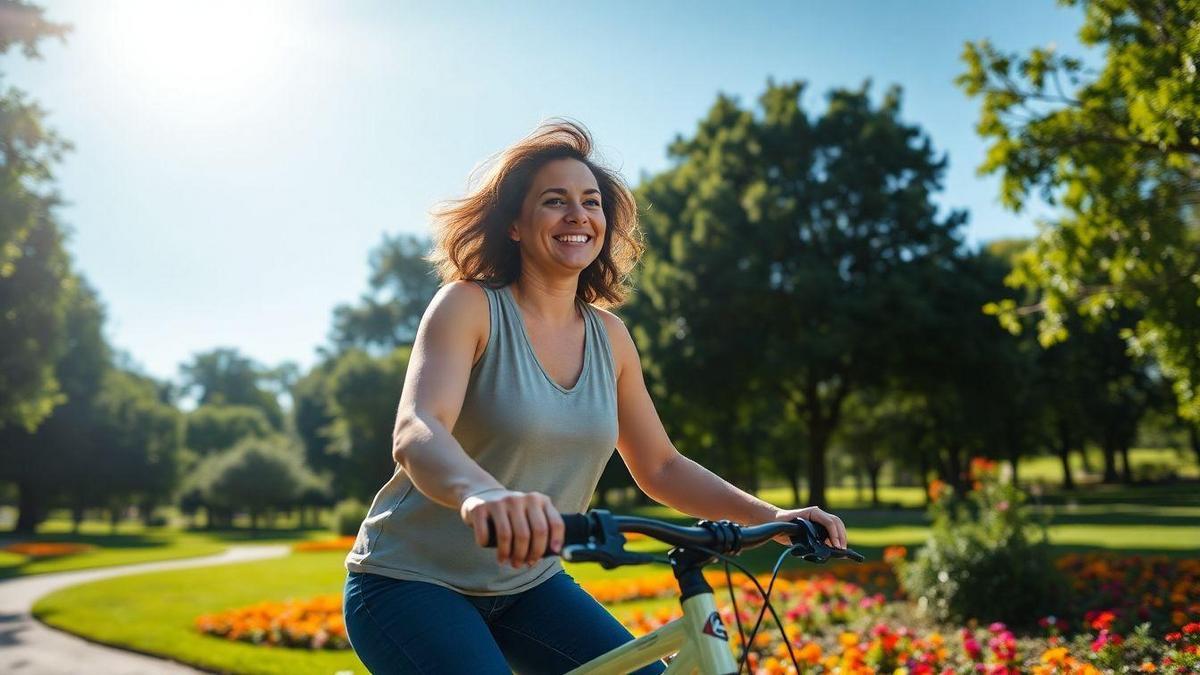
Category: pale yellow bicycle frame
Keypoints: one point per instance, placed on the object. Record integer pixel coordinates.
(698, 650)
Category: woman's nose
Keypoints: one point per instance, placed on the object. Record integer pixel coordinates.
(577, 214)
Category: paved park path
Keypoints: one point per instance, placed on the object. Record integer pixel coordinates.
(29, 647)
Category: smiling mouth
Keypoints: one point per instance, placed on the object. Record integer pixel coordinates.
(577, 239)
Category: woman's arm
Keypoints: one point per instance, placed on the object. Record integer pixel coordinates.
(669, 477)
(449, 339)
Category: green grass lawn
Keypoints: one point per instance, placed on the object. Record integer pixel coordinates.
(132, 543)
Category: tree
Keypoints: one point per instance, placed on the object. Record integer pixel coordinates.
(34, 269)
(977, 381)
(1119, 151)
(223, 376)
(138, 441)
(402, 283)
(778, 249)
(363, 393)
(213, 427)
(43, 463)
(257, 475)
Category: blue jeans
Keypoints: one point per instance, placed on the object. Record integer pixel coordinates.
(401, 626)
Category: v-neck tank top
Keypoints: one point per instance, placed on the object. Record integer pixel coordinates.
(528, 431)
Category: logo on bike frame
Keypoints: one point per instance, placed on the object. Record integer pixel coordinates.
(714, 627)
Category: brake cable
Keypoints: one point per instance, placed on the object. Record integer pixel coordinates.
(766, 600)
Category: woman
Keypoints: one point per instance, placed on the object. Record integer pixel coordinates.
(517, 391)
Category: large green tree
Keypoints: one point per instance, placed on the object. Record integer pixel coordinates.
(1118, 150)
(224, 376)
(213, 427)
(34, 268)
(345, 410)
(402, 283)
(784, 252)
(45, 463)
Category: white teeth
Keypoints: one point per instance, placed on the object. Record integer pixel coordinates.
(573, 238)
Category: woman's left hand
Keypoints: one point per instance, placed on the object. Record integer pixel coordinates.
(835, 526)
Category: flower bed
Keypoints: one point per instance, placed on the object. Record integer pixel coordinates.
(1118, 592)
(315, 623)
(46, 549)
(340, 544)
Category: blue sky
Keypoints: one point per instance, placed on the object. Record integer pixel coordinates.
(235, 162)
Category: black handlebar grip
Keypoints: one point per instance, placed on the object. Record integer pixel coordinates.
(575, 531)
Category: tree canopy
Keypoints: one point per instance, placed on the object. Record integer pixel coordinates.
(784, 258)
(1119, 150)
(35, 273)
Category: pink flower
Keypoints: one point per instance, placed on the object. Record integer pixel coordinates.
(972, 648)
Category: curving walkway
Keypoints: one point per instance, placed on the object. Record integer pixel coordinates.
(29, 647)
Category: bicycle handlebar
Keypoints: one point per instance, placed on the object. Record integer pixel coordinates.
(592, 530)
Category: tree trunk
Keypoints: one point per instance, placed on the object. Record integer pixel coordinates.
(793, 478)
(114, 517)
(818, 438)
(146, 511)
(924, 468)
(1126, 465)
(955, 471)
(1064, 454)
(1194, 437)
(1087, 459)
(1110, 463)
(77, 514)
(28, 508)
(873, 476)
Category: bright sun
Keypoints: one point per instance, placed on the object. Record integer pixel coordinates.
(195, 54)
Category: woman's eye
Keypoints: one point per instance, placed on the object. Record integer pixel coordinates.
(593, 202)
(552, 200)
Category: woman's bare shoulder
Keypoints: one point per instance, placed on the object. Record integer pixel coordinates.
(457, 307)
(623, 348)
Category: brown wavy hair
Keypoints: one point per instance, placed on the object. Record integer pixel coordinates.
(471, 234)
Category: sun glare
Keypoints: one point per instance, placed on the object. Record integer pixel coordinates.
(195, 54)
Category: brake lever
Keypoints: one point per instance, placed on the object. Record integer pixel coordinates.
(606, 557)
(813, 550)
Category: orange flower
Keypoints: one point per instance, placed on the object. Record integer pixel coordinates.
(936, 489)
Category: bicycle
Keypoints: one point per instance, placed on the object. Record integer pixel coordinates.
(699, 639)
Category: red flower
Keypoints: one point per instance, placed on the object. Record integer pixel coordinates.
(1104, 621)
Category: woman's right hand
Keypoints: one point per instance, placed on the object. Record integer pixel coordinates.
(525, 522)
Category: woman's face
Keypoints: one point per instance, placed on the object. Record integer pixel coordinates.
(561, 225)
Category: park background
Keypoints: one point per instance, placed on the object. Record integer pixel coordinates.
(936, 268)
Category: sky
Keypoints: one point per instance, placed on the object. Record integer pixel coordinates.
(235, 162)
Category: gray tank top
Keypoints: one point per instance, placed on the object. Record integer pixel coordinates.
(523, 428)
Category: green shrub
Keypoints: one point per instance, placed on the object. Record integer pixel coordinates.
(987, 557)
(348, 516)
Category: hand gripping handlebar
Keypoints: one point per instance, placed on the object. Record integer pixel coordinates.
(595, 536)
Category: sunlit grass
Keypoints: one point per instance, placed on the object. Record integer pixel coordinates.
(155, 612)
(134, 543)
